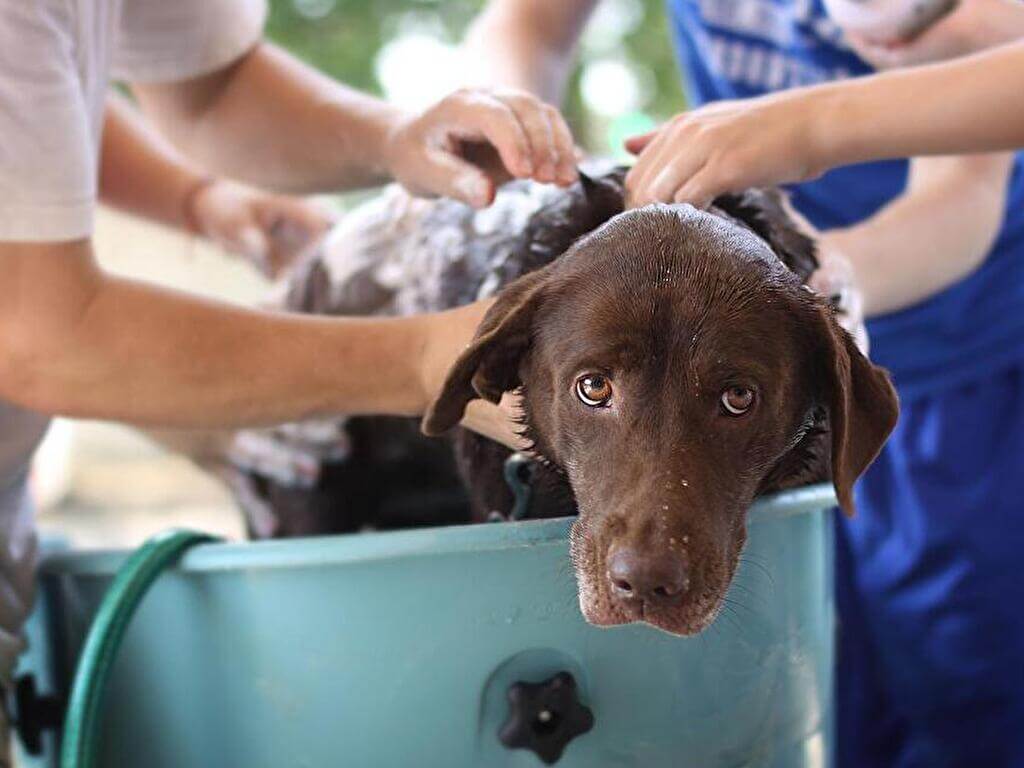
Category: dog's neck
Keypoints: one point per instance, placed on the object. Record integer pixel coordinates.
(806, 461)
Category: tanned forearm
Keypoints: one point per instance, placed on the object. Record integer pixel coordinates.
(275, 122)
(527, 44)
(139, 172)
(936, 233)
(77, 342)
(970, 105)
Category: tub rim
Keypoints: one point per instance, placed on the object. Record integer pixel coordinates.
(340, 549)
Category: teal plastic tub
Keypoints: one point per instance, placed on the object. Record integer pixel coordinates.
(400, 649)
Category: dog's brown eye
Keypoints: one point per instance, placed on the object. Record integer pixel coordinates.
(594, 389)
(737, 400)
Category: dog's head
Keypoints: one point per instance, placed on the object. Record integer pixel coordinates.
(671, 365)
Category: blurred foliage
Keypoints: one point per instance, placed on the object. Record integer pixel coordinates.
(343, 37)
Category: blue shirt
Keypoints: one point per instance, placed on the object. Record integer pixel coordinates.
(739, 48)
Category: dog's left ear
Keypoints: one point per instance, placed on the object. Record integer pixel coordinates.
(490, 365)
(862, 404)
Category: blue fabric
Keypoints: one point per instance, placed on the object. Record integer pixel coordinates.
(930, 587)
(737, 48)
(930, 574)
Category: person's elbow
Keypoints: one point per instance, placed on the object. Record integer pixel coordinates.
(51, 288)
(42, 369)
(23, 364)
(988, 177)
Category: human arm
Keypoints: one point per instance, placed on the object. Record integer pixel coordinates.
(938, 244)
(971, 104)
(143, 175)
(78, 342)
(930, 237)
(527, 44)
(322, 136)
(921, 242)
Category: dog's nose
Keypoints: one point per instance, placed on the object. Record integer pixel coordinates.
(655, 578)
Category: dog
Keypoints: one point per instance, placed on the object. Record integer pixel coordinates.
(671, 363)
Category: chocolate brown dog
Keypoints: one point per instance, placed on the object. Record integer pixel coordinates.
(672, 366)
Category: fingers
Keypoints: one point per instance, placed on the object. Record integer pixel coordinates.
(473, 140)
(291, 219)
(252, 242)
(697, 192)
(484, 116)
(242, 236)
(670, 179)
(565, 148)
(639, 176)
(531, 137)
(637, 144)
(539, 133)
(666, 170)
(457, 178)
(289, 227)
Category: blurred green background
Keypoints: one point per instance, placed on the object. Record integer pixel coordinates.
(625, 79)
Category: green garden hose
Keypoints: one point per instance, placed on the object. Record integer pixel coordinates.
(80, 744)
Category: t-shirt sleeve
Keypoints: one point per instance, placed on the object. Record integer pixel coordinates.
(47, 156)
(159, 41)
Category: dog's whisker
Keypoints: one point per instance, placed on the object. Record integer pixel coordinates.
(746, 590)
(762, 567)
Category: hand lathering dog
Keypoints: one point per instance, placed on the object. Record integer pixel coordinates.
(671, 363)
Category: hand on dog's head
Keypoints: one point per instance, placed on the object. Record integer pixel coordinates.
(671, 364)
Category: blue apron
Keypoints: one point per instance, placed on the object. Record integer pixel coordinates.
(930, 574)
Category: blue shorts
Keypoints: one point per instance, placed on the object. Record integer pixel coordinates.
(930, 588)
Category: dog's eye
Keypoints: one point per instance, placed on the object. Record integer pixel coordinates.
(594, 389)
(737, 400)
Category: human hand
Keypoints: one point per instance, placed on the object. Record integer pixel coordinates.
(726, 147)
(270, 231)
(972, 26)
(472, 141)
(836, 281)
(835, 278)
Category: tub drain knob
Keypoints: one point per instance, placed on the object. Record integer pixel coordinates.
(545, 717)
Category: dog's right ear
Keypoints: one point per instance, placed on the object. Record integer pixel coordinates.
(490, 365)
(862, 403)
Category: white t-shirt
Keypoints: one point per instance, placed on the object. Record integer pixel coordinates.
(57, 58)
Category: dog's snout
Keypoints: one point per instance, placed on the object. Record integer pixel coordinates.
(647, 577)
